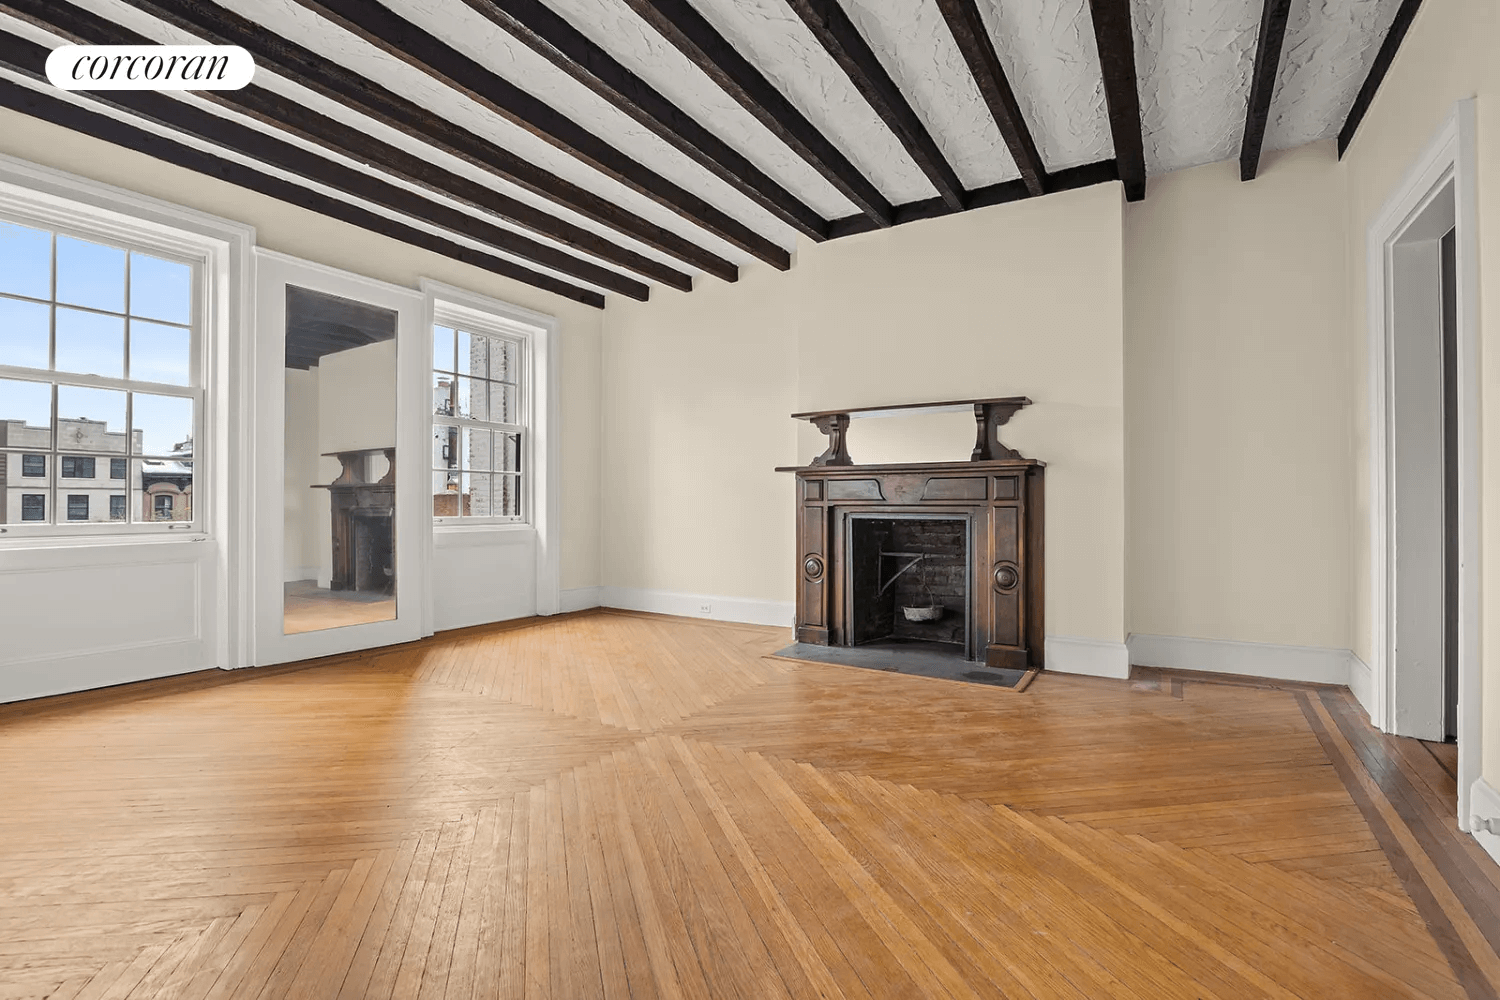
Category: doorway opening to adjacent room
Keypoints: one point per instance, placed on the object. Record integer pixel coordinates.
(1424, 432)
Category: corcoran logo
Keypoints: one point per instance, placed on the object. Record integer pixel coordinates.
(150, 67)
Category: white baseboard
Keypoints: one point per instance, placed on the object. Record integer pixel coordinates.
(724, 609)
(579, 599)
(1362, 684)
(1484, 803)
(101, 669)
(1095, 657)
(1314, 664)
(296, 574)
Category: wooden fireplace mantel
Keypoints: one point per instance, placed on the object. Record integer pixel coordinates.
(990, 414)
(1001, 501)
(353, 496)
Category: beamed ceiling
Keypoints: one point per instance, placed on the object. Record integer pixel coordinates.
(596, 147)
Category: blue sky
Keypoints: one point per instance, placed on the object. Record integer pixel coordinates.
(91, 326)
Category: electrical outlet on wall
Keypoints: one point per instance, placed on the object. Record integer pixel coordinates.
(705, 609)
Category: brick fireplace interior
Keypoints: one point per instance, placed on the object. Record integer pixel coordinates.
(909, 561)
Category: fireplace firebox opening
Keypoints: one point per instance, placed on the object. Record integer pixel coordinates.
(374, 552)
(909, 581)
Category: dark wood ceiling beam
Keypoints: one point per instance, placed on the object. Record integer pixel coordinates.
(679, 23)
(79, 26)
(838, 35)
(1263, 84)
(978, 48)
(305, 68)
(28, 57)
(400, 38)
(1114, 34)
(1069, 179)
(1405, 14)
(567, 48)
(111, 128)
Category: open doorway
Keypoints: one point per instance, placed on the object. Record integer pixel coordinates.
(1424, 457)
(1423, 388)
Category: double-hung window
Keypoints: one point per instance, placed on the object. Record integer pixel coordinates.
(479, 432)
(100, 393)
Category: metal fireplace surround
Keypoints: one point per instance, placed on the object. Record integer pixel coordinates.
(998, 492)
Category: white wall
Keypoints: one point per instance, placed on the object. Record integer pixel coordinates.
(1017, 299)
(1448, 55)
(302, 553)
(1238, 392)
(306, 234)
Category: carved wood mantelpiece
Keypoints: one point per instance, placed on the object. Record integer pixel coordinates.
(989, 414)
(1001, 500)
(354, 498)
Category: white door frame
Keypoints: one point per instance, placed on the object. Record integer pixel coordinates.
(1450, 156)
(413, 517)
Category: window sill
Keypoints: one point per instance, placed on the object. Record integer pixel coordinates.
(454, 535)
(13, 540)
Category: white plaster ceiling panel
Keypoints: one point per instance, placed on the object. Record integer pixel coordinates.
(482, 40)
(213, 107)
(291, 20)
(1048, 51)
(146, 125)
(773, 37)
(613, 26)
(1330, 46)
(1194, 59)
(122, 13)
(912, 41)
(168, 34)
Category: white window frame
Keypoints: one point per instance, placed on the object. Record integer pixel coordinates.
(542, 443)
(106, 221)
(464, 320)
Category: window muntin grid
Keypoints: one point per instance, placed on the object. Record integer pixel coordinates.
(479, 433)
(99, 352)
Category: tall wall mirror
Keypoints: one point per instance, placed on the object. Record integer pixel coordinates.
(339, 544)
(341, 425)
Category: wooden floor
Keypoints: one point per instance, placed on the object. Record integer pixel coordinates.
(613, 805)
(310, 608)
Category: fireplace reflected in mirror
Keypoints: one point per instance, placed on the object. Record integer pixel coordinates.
(340, 497)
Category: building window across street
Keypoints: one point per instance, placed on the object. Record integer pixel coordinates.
(99, 344)
(478, 427)
(163, 507)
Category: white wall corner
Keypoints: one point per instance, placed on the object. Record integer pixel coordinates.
(1484, 803)
(580, 598)
(1312, 664)
(725, 609)
(1362, 684)
(1095, 657)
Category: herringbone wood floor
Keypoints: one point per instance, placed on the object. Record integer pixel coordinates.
(611, 806)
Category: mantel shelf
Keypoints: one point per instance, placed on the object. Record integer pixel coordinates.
(990, 414)
(917, 467)
(908, 409)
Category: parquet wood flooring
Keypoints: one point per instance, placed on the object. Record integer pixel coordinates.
(620, 806)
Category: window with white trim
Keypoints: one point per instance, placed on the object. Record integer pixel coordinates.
(479, 425)
(99, 378)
